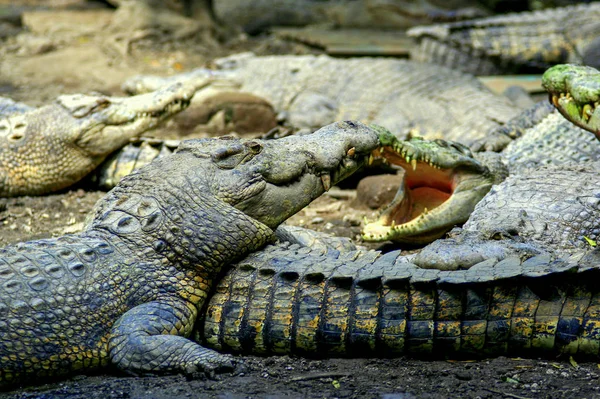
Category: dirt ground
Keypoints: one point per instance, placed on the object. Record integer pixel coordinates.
(66, 51)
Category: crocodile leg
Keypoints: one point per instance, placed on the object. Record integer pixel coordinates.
(152, 337)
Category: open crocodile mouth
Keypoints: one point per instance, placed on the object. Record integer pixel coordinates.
(583, 114)
(434, 196)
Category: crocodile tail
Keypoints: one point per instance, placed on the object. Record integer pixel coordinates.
(381, 308)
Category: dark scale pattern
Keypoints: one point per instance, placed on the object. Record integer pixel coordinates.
(47, 335)
(97, 276)
(364, 304)
(511, 43)
(128, 289)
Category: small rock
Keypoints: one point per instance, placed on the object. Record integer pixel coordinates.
(375, 192)
(353, 220)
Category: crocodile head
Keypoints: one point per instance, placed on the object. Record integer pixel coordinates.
(52, 147)
(442, 184)
(575, 92)
(270, 180)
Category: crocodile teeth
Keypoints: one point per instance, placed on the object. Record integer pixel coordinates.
(326, 180)
(351, 152)
(370, 161)
(588, 110)
(555, 100)
(414, 164)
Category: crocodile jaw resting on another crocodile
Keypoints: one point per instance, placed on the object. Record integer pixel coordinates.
(49, 148)
(128, 288)
(442, 184)
(575, 92)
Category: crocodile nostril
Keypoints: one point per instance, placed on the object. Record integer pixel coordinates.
(504, 234)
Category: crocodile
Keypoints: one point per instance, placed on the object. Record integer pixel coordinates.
(290, 300)
(126, 291)
(513, 43)
(518, 279)
(442, 182)
(453, 177)
(312, 91)
(575, 92)
(384, 14)
(52, 147)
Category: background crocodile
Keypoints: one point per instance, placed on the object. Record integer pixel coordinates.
(127, 290)
(54, 146)
(78, 132)
(398, 14)
(311, 91)
(553, 140)
(366, 14)
(521, 42)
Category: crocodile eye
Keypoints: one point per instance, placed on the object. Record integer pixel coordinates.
(441, 142)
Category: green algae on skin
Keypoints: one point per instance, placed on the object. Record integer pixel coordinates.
(575, 91)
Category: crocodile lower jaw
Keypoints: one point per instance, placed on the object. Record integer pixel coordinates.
(586, 116)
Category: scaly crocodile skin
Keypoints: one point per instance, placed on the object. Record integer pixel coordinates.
(518, 278)
(401, 95)
(291, 300)
(128, 288)
(522, 42)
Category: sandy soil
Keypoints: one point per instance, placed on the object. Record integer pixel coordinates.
(53, 56)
